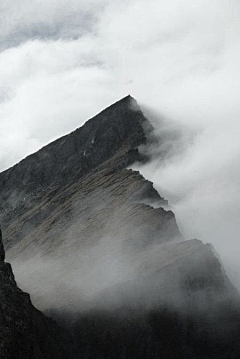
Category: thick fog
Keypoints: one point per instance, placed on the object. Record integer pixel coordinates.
(195, 167)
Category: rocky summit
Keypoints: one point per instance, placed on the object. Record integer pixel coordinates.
(101, 255)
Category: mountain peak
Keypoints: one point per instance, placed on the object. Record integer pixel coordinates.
(125, 102)
(115, 133)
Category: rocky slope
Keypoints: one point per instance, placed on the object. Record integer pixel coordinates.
(96, 246)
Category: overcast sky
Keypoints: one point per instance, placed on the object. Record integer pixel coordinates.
(62, 61)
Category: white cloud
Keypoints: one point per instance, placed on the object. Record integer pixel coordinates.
(47, 89)
(180, 57)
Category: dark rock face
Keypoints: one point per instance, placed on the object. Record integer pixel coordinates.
(24, 331)
(159, 333)
(2, 251)
(72, 213)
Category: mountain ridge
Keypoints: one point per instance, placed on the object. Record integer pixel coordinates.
(126, 98)
(73, 156)
(99, 250)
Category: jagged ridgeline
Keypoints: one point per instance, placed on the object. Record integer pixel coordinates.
(98, 250)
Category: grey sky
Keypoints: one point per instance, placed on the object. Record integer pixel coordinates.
(63, 61)
(25, 20)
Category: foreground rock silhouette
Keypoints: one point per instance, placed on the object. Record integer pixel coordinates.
(2, 251)
(24, 331)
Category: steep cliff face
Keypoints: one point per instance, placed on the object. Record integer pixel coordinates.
(24, 331)
(98, 249)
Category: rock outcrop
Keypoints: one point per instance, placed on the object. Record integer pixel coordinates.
(2, 251)
(25, 333)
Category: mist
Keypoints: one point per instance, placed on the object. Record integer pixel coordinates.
(110, 276)
(195, 168)
(94, 248)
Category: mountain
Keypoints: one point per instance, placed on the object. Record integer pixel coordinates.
(99, 251)
(101, 148)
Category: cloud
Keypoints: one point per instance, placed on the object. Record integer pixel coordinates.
(47, 89)
(204, 183)
(42, 19)
(182, 59)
